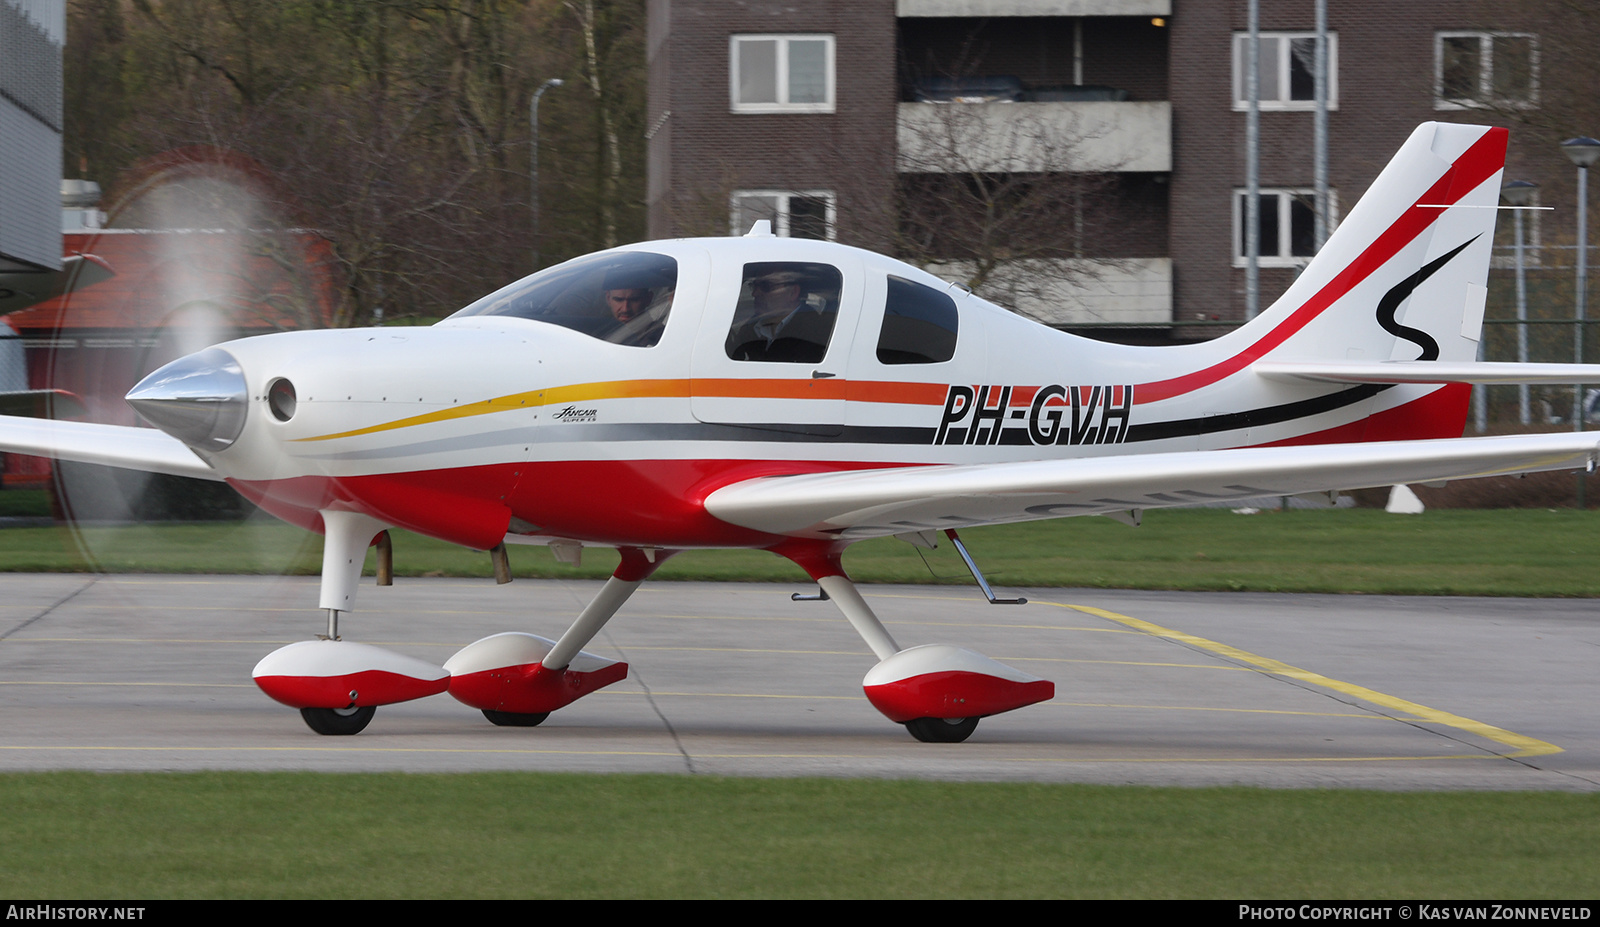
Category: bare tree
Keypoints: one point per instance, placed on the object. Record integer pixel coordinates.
(399, 128)
(588, 26)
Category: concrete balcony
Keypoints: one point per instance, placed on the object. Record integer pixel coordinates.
(1082, 291)
(1034, 137)
(1033, 7)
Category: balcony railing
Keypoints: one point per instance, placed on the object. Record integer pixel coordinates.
(1033, 7)
(1035, 137)
(1078, 291)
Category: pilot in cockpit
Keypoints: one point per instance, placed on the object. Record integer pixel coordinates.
(627, 302)
(638, 304)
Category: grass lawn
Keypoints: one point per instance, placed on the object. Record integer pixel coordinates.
(1524, 552)
(304, 835)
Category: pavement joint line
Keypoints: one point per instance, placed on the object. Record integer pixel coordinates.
(1521, 745)
(1158, 663)
(1355, 715)
(765, 695)
(644, 689)
(740, 756)
(171, 640)
(819, 698)
(57, 604)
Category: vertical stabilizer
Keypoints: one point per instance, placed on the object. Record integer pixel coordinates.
(1404, 276)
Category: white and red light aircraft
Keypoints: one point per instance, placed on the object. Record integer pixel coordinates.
(798, 396)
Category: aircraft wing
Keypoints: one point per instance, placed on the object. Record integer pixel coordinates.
(900, 500)
(111, 445)
(1430, 372)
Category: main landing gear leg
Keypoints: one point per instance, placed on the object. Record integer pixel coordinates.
(517, 679)
(338, 685)
(938, 691)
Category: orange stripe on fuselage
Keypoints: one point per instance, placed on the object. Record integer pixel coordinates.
(929, 394)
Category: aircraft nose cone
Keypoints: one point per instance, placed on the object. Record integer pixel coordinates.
(200, 399)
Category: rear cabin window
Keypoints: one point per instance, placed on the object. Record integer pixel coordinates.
(919, 325)
(620, 297)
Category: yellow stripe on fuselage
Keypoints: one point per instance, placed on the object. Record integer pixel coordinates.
(859, 391)
(579, 392)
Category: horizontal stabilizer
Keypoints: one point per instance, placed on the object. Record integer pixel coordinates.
(109, 445)
(1430, 372)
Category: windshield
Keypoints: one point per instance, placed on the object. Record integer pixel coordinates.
(620, 297)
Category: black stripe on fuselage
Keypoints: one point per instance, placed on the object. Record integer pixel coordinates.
(1270, 415)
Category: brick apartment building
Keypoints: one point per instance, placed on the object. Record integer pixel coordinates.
(814, 114)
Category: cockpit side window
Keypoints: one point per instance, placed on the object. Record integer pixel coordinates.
(919, 325)
(620, 297)
(786, 312)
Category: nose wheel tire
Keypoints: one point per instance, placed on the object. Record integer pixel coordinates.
(942, 730)
(513, 719)
(338, 721)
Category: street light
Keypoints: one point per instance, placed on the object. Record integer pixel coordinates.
(1519, 193)
(533, 121)
(1583, 151)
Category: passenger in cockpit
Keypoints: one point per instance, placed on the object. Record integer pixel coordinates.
(788, 314)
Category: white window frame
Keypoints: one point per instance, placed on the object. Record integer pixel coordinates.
(1285, 195)
(781, 221)
(782, 77)
(1282, 104)
(1485, 70)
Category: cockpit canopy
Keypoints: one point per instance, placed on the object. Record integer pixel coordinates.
(622, 297)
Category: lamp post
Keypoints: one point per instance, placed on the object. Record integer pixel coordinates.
(533, 122)
(1519, 193)
(1252, 164)
(1583, 151)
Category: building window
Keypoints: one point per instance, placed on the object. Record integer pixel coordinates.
(1473, 69)
(781, 73)
(1288, 70)
(793, 214)
(1288, 226)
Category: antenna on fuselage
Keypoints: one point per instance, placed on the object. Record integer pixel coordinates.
(761, 229)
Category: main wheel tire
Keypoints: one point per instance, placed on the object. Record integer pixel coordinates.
(338, 721)
(513, 719)
(942, 730)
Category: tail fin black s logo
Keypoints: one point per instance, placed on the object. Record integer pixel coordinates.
(1390, 303)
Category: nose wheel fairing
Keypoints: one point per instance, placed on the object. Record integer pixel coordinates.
(343, 674)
